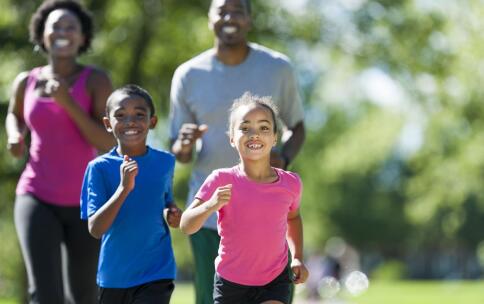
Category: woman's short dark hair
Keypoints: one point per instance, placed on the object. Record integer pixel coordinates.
(37, 22)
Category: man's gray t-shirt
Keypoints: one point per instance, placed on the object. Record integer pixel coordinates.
(203, 90)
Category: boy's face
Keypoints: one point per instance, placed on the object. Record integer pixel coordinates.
(230, 21)
(253, 132)
(129, 120)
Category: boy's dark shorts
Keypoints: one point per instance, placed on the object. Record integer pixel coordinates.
(226, 292)
(156, 292)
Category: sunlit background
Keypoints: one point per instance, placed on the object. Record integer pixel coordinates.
(393, 165)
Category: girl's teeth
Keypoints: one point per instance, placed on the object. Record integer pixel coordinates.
(229, 29)
(130, 132)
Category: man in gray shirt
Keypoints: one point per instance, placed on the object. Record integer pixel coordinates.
(202, 92)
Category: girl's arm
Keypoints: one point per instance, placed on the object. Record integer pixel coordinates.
(295, 242)
(198, 212)
(14, 122)
(101, 221)
(90, 125)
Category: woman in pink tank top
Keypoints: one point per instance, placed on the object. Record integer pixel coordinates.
(61, 104)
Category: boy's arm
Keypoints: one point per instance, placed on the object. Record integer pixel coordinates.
(104, 217)
(102, 220)
(198, 212)
(295, 242)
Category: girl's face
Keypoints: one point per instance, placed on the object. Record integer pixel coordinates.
(253, 132)
(63, 34)
(129, 121)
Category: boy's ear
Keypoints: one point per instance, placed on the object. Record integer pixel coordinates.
(153, 121)
(107, 124)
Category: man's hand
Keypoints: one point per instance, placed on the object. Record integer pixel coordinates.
(188, 135)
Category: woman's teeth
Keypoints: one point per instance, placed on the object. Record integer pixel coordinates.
(61, 42)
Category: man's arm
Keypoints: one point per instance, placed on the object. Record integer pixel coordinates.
(294, 139)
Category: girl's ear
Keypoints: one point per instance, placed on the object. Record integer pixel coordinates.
(232, 141)
(107, 124)
(153, 121)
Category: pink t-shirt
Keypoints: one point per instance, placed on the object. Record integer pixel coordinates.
(58, 153)
(253, 225)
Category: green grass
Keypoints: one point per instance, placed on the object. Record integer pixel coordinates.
(183, 294)
(398, 292)
(423, 292)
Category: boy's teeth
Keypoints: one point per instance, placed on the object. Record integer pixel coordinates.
(229, 29)
(130, 132)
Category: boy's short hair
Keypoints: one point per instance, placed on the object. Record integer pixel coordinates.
(37, 21)
(131, 90)
(248, 99)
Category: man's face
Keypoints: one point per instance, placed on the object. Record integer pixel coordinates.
(230, 21)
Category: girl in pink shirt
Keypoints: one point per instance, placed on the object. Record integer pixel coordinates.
(258, 213)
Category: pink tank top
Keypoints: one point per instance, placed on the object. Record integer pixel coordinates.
(58, 153)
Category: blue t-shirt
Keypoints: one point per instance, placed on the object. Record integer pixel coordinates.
(137, 247)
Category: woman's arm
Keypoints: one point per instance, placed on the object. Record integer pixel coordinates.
(14, 122)
(90, 124)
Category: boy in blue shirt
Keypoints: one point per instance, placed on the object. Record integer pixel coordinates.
(124, 194)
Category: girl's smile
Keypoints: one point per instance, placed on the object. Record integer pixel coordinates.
(253, 135)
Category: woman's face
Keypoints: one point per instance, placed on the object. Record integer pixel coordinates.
(63, 36)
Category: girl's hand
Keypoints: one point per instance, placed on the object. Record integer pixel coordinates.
(221, 196)
(16, 146)
(128, 171)
(58, 89)
(300, 271)
(172, 216)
